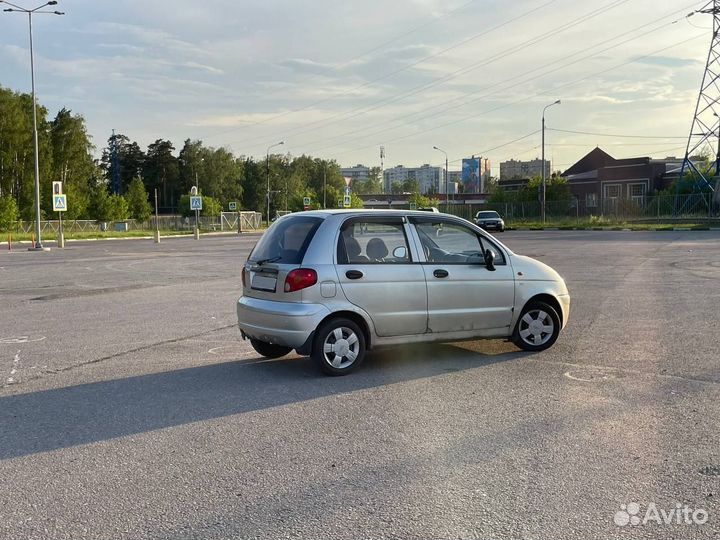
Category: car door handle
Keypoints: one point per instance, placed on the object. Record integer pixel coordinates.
(353, 274)
(439, 273)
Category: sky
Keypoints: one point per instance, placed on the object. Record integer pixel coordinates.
(339, 79)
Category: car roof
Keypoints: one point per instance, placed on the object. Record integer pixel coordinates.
(365, 211)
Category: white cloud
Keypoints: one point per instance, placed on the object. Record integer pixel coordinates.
(341, 78)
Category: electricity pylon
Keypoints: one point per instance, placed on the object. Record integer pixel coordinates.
(705, 129)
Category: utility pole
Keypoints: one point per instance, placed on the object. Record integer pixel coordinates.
(447, 192)
(30, 12)
(267, 161)
(542, 163)
(382, 169)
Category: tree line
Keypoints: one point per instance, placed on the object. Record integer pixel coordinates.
(66, 153)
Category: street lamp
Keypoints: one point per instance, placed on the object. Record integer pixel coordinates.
(267, 160)
(542, 164)
(447, 192)
(38, 243)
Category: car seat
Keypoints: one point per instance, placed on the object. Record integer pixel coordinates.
(376, 250)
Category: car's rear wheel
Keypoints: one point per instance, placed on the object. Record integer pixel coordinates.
(268, 350)
(537, 328)
(338, 346)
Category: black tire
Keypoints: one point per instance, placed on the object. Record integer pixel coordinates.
(525, 334)
(268, 350)
(331, 362)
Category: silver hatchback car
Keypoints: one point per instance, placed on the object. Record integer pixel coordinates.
(333, 284)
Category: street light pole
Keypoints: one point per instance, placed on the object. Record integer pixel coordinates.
(447, 194)
(38, 243)
(542, 164)
(267, 161)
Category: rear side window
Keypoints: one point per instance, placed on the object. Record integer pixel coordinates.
(373, 241)
(286, 241)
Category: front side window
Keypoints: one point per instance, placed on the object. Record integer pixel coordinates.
(373, 242)
(445, 242)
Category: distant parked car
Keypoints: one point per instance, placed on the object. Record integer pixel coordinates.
(489, 220)
(334, 283)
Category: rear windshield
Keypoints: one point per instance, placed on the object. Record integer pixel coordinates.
(488, 215)
(286, 241)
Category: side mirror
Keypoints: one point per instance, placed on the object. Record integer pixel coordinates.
(400, 252)
(490, 260)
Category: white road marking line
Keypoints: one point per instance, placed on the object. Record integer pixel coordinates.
(20, 339)
(13, 371)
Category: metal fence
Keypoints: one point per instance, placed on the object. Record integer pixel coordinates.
(227, 221)
(660, 208)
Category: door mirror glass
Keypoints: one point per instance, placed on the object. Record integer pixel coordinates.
(490, 260)
(400, 252)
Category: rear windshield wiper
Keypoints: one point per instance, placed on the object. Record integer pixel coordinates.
(268, 260)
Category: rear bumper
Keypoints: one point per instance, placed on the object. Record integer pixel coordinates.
(281, 323)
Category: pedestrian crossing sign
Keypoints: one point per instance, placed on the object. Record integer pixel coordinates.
(59, 203)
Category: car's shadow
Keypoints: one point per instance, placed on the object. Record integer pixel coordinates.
(59, 418)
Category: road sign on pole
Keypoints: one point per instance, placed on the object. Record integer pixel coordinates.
(196, 203)
(232, 206)
(346, 201)
(306, 203)
(59, 203)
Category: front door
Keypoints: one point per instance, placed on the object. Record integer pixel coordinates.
(377, 273)
(463, 295)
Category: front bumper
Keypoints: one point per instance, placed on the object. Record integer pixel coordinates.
(564, 300)
(496, 225)
(289, 324)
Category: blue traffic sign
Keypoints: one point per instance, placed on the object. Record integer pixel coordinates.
(59, 203)
(195, 203)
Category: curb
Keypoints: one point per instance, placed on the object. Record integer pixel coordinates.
(115, 238)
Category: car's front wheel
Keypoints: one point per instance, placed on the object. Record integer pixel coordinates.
(268, 350)
(537, 328)
(338, 346)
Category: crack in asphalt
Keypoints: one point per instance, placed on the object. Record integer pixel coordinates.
(118, 354)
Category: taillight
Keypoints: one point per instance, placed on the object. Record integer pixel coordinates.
(242, 275)
(300, 278)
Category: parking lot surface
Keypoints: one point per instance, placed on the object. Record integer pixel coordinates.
(131, 408)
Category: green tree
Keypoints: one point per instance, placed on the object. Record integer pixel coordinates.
(73, 164)
(211, 207)
(411, 185)
(117, 208)
(8, 212)
(98, 205)
(130, 160)
(137, 199)
(161, 171)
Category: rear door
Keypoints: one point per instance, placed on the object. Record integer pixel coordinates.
(463, 295)
(379, 274)
(280, 250)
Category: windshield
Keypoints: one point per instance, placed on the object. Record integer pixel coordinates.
(286, 241)
(485, 215)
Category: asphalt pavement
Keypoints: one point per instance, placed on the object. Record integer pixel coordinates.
(130, 407)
